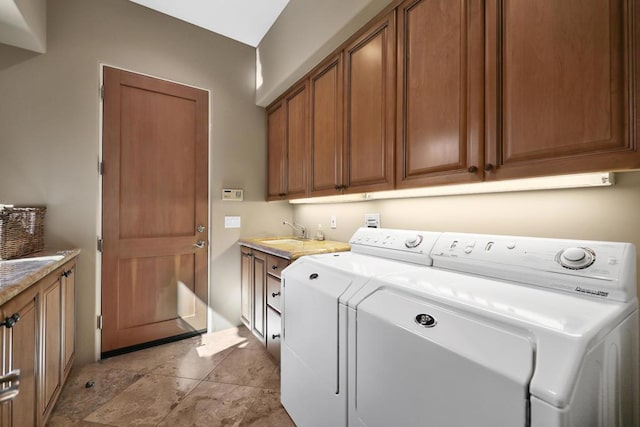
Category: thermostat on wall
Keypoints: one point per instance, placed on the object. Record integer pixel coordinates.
(232, 194)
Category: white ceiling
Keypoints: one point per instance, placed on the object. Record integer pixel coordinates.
(244, 20)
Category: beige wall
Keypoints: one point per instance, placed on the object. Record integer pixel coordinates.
(49, 134)
(603, 213)
(305, 32)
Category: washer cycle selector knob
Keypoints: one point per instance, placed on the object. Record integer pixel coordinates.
(413, 241)
(576, 258)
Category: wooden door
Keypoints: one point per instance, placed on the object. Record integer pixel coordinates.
(69, 318)
(276, 151)
(297, 151)
(370, 108)
(20, 352)
(51, 341)
(259, 300)
(155, 210)
(326, 85)
(246, 275)
(440, 92)
(560, 87)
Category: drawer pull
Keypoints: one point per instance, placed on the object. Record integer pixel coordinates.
(10, 393)
(274, 267)
(66, 273)
(274, 336)
(10, 321)
(274, 294)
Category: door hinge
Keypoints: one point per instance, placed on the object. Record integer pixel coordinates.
(102, 92)
(100, 245)
(100, 321)
(101, 167)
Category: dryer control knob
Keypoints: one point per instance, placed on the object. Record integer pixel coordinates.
(413, 241)
(576, 258)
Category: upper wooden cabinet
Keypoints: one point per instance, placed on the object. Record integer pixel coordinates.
(370, 62)
(560, 86)
(326, 92)
(288, 145)
(440, 92)
(464, 91)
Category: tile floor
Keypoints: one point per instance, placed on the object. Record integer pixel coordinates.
(222, 379)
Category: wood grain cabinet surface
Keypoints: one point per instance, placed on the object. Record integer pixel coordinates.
(370, 62)
(288, 145)
(561, 87)
(440, 92)
(260, 291)
(469, 90)
(41, 344)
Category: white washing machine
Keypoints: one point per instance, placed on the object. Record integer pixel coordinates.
(314, 318)
(501, 331)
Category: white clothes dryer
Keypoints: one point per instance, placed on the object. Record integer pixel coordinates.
(502, 331)
(314, 317)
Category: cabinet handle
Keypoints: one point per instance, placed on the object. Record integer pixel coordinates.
(488, 167)
(9, 322)
(10, 393)
(274, 294)
(274, 336)
(66, 273)
(274, 267)
(473, 169)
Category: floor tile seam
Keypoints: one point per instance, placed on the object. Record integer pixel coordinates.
(242, 385)
(179, 401)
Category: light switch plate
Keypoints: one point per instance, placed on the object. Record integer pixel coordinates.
(231, 222)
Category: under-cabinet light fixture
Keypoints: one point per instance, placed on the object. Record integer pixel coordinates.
(597, 179)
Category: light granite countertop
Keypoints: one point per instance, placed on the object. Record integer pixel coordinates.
(293, 248)
(16, 275)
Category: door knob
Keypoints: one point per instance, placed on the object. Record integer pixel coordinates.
(199, 244)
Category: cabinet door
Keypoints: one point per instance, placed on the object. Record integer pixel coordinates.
(259, 301)
(297, 102)
(440, 100)
(326, 85)
(370, 108)
(276, 152)
(68, 318)
(51, 379)
(245, 285)
(559, 86)
(273, 333)
(20, 352)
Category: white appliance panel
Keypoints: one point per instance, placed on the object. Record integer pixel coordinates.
(459, 372)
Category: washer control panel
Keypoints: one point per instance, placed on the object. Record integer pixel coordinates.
(403, 245)
(594, 268)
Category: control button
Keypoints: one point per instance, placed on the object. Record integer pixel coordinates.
(612, 261)
(414, 241)
(453, 244)
(468, 250)
(471, 244)
(511, 245)
(576, 258)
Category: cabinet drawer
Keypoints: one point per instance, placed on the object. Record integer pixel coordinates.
(273, 333)
(273, 293)
(275, 265)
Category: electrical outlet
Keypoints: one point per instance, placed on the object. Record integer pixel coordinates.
(333, 221)
(372, 220)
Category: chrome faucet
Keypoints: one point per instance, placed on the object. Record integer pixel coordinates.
(297, 228)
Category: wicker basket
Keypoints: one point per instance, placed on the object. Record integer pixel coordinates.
(21, 231)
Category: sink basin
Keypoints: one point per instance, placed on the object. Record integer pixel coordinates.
(281, 241)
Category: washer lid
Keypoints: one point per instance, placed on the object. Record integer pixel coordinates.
(563, 326)
(433, 366)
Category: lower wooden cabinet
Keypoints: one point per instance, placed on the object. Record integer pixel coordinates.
(273, 333)
(260, 296)
(41, 344)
